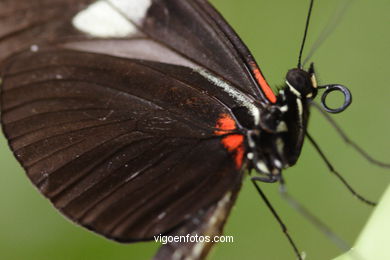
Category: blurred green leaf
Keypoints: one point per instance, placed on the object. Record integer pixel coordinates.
(374, 241)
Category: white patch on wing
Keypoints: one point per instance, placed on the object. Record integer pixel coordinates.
(102, 20)
(34, 48)
(233, 92)
(135, 48)
(135, 10)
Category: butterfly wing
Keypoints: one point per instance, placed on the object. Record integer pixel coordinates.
(116, 124)
(117, 145)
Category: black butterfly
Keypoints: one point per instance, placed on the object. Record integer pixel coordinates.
(125, 114)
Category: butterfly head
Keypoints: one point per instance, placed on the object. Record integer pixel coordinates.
(302, 83)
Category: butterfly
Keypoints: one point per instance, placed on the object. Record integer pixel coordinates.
(140, 118)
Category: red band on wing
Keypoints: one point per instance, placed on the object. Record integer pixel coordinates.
(234, 142)
(225, 124)
(263, 83)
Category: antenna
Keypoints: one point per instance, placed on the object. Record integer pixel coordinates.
(331, 25)
(305, 34)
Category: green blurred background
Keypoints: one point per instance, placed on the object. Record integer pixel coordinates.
(356, 54)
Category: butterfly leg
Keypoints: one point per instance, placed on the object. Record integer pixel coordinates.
(277, 217)
(267, 178)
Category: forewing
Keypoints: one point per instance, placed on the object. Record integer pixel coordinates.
(188, 33)
(118, 145)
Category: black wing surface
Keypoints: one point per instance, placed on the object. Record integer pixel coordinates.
(118, 145)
